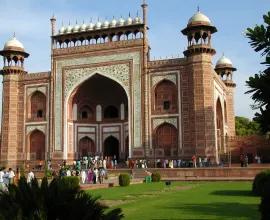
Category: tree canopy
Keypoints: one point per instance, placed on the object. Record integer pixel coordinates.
(260, 84)
(245, 127)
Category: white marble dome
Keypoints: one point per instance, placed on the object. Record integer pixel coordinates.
(13, 43)
(199, 17)
(137, 20)
(128, 20)
(62, 30)
(224, 61)
(76, 28)
(98, 25)
(90, 26)
(83, 27)
(69, 29)
(106, 24)
(113, 22)
(121, 22)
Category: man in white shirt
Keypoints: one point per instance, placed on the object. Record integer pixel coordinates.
(2, 185)
(30, 176)
(11, 176)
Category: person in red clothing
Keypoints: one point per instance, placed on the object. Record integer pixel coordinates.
(194, 161)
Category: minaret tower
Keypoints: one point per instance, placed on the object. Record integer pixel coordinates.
(225, 69)
(13, 100)
(199, 127)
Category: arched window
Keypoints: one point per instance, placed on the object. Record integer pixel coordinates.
(165, 97)
(111, 112)
(85, 113)
(38, 106)
(225, 112)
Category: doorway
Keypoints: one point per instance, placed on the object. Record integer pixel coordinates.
(111, 147)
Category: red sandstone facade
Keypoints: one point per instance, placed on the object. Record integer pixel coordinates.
(105, 96)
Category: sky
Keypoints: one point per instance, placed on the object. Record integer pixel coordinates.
(30, 19)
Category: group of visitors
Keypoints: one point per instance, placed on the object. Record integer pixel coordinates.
(6, 178)
(244, 160)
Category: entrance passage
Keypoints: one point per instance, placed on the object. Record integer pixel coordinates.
(111, 147)
(37, 145)
(86, 147)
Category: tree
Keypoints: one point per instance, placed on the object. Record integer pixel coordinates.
(61, 199)
(260, 84)
(245, 127)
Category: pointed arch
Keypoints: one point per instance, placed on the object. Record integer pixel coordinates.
(37, 106)
(165, 97)
(37, 144)
(166, 138)
(225, 113)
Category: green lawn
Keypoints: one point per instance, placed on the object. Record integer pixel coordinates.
(194, 200)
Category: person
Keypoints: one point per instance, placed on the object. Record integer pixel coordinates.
(200, 161)
(49, 165)
(246, 161)
(242, 160)
(179, 163)
(101, 175)
(95, 177)
(171, 164)
(132, 172)
(11, 176)
(40, 165)
(68, 172)
(30, 176)
(194, 161)
(5, 177)
(83, 176)
(2, 185)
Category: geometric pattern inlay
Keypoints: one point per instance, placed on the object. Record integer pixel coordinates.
(156, 79)
(159, 121)
(91, 136)
(40, 89)
(35, 127)
(116, 135)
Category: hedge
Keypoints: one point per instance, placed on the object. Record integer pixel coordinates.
(156, 177)
(124, 179)
(260, 182)
(70, 181)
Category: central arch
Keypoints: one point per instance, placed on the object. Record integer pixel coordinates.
(97, 100)
(111, 147)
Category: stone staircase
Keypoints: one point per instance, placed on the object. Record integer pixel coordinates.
(140, 173)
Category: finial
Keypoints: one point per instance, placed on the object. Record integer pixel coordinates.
(198, 8)
(91, 20)
(223, 54)
(69, 23)
(76, 21)
(143, 1)
(129, 14)
(14, 34)
(53, 15)
(113, 16)
(154, 58)
(137, 13)
(62, 23)
(98, 18)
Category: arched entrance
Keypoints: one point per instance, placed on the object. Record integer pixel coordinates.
(219, 127)
(166, 135)
(86, 147)
(127, 147)
(97, 100)
(111, 147)
(37, 145)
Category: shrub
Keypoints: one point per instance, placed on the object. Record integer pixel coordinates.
(156, 177)
(259, 182)
(71, 182)
(124, 179)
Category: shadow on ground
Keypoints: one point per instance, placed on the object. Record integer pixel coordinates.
(232, 193)
(216, 211)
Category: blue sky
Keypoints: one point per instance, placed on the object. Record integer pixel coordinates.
(30, 20)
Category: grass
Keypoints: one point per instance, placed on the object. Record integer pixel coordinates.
(202, 200)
